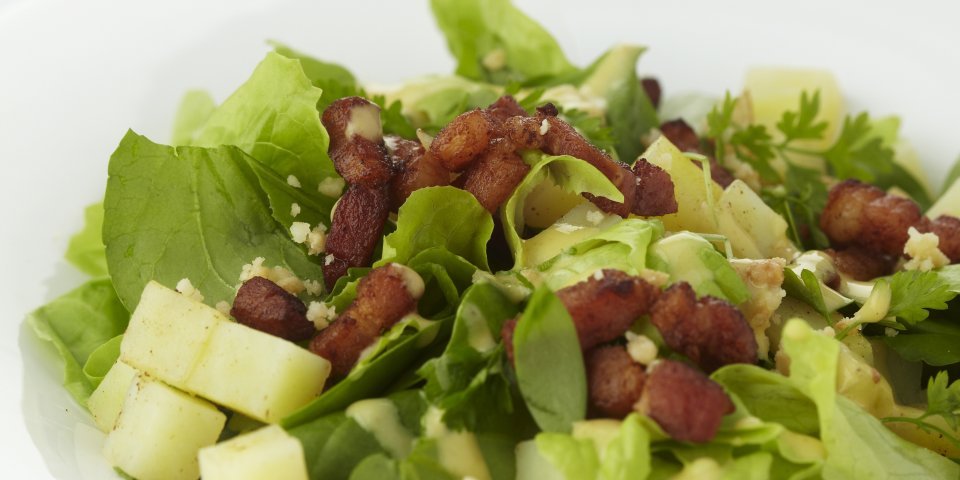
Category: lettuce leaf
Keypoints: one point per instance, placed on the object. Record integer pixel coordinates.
(433, 101)
(859, 446)
(618, 451)
(546, 348)
(335, 80)
(569, 173)
(691, 258)
(195, 109)
(77, 324)
(85, 250)
(273, 117)
(188, 212)
(446, 217)
(493, 41)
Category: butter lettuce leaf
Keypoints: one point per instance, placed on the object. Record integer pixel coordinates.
(86, 250)
(495, 42)
(273, 117)
(446, 217)
(189, 212)
(77, 324)
(195, 109)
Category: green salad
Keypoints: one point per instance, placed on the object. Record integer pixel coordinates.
(525, 269)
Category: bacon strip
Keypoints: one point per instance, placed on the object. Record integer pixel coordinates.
(684, 402)
(384, 296)
(462, 140)
(614, 381)
(263, 305)
(360, 158)
(710, 332)
(861, 264)
(354, 230)
(418, 168)
(651, 86)
(654, 190)
(494, 176)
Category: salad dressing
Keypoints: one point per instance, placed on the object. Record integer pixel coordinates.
(379, 416)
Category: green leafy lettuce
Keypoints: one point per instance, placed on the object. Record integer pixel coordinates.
(189, 212)
(195, 109)
(493, 41)
(86, 250)
(77, 324)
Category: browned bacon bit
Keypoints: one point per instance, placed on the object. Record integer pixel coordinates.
(858, 214)
(263, 305)
(685, 138)
(684, 402)
(654, 190)
(523, 133)
(604, 308)
(710, 332)
(356, 141)
(506, 107)
(493, 177)
(417, 169)
(860, 264)
(384, 296)
(354, 230)
(652, 88)
(462, 140)
(614, 381)
(947, 228)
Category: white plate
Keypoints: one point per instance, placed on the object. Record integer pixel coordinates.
(75, 75)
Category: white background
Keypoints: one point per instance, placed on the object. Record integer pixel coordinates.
(74, 75)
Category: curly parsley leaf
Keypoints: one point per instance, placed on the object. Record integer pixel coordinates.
(943, 400)
(913, 293)
(800, 125)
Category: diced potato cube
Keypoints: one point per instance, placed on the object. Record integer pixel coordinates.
(167, 333)
(265, 453)
(160, 430)
(764, 232)
(694, 211)
(105, 402)
(255, 373)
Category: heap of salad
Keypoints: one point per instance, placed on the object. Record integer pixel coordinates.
(526, 269)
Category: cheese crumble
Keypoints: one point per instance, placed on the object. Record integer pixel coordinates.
(331, 186)
(924, 252)
(294, 209)
(321, 314)
(284, 278)
(188, 290)
(293, 181)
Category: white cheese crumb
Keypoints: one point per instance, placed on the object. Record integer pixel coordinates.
(924, 252)
(391, 143)
(544, 127)
(595, 217)
(284, 278)
(299, 231)
(640, 348)
(321, 314)
(294, 209)
(328, 259)
(598, 275)
(223, 307)
(495, 59)
(567, 228)
(364, 121)
(293, 181)
(331, 186)
(314, 287)
(188, 290)
(317, 240)
(890, 332)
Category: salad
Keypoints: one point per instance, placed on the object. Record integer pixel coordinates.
(528, 269)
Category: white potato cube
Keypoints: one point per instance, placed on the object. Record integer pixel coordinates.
(257, 374)
(160, 430)
(265, 453)
(105, 402)
(167, 333)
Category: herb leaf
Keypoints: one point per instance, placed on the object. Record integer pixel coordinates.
(914, 292)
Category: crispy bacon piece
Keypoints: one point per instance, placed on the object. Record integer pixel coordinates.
(614, 381)
(356, 142)
(462, 140)
(493, 177)
(858, 214)
(602, 308)
(384, 296)
(685, 138)
(417, 169)
(684, 402)
(506, 107)
(652, 88)
(861, 264)
(654, 190)
(354, 230)
(710, 332)
(523, 132)
(947, 228)
(263, 305)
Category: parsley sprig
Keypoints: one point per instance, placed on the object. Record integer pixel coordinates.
(913, 293)
(799, 193)
(943, 400)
